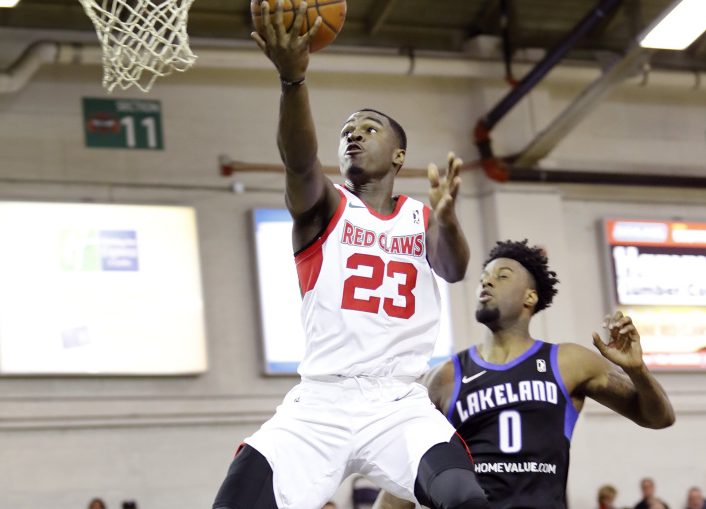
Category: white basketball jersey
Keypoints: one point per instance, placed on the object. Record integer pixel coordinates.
(370, 301)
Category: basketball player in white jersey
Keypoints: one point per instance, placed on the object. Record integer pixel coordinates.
(370, 310)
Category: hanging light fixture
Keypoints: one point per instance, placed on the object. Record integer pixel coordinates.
(680, 25)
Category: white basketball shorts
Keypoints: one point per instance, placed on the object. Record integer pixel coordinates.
(325, 431)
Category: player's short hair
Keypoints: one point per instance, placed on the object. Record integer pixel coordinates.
(535, 261)
(396, 127)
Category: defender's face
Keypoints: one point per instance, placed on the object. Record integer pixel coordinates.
(502, 290)
(368, 145)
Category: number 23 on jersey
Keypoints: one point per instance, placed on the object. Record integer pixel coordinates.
(379, 270)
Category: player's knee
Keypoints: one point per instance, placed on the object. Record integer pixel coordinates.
(445, 479)
(457, 488)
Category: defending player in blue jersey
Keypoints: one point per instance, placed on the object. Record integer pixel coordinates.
(515, 399)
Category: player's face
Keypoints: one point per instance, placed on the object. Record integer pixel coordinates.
(368, 146)
(502, 292)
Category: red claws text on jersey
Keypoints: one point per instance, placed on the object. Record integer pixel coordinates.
(410, 245)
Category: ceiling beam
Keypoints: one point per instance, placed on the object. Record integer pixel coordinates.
(608, 21)
(584, 104)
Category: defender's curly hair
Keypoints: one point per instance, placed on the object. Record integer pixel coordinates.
(535, 261)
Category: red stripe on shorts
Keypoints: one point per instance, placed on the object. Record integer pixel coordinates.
(468, 450)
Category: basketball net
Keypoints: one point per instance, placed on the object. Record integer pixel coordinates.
(141, 40)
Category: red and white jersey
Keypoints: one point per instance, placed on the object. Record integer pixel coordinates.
(370, 301)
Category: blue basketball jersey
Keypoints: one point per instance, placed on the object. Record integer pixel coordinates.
(517, 419)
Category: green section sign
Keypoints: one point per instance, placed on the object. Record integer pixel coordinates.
(123, 123)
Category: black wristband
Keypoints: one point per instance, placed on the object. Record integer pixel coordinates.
(295, 83)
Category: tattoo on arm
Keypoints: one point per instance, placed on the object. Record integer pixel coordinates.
(639, 397)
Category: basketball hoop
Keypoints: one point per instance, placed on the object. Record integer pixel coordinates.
(141, 40)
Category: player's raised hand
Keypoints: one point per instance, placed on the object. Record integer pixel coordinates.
(443, 187)
(287, 49)
(623, 346)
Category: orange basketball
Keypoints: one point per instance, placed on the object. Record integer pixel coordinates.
(332, 12)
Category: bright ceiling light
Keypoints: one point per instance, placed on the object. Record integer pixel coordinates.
(8, 3)
(680, 25)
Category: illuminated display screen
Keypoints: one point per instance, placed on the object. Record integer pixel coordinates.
(280, 300)
(90, 289)
(659, 279)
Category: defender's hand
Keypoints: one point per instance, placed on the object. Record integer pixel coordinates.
(623, 347)
(444, 188)
(288, 50)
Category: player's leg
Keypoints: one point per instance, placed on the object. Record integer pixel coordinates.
(445, 478)
(299, 454)
(408, 453)
(248, 484)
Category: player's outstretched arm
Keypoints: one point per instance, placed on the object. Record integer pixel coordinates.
(632, 391)
(308, 191)
(447, 248)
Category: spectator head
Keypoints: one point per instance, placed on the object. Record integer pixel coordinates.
(329, 505)
(606, 495)
(129, 504)
(96, 503)
(695, 498)
(647, 485)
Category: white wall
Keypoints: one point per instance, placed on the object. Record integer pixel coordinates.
(607, 447)
(167, 442)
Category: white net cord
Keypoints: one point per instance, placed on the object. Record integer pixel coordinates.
(141, 40)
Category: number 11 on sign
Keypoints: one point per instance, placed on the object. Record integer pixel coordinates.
(123, 123)
(148, 123)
